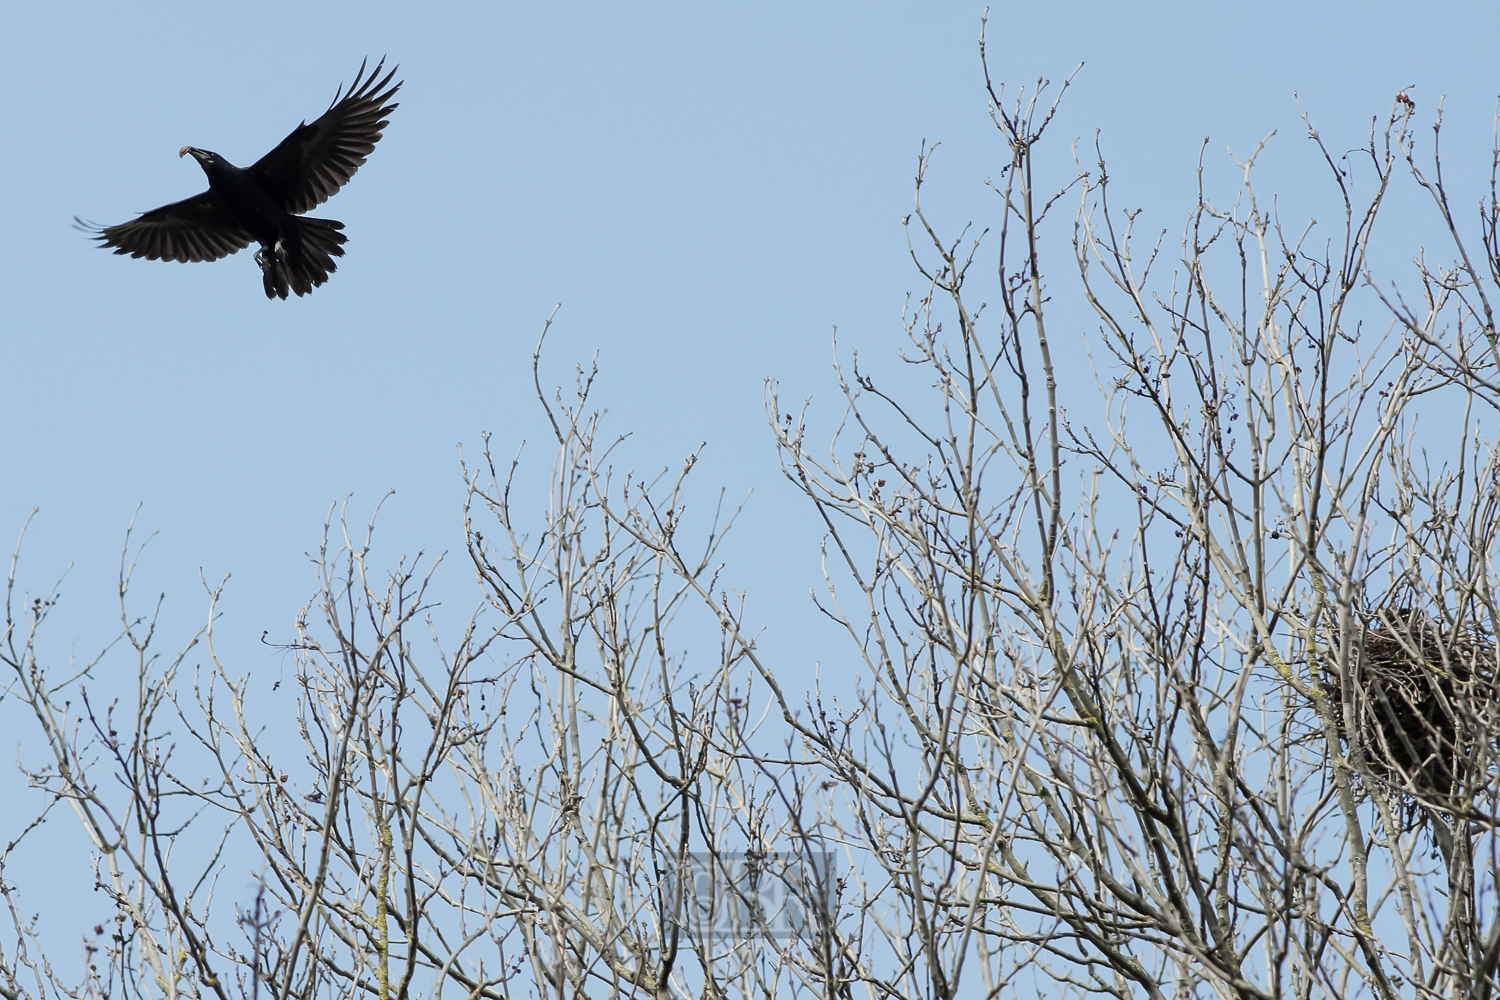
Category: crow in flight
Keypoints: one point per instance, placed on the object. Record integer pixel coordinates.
(264, 202)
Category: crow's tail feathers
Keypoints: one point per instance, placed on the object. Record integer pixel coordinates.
(303, 259)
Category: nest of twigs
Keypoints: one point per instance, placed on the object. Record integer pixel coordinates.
(1421, 703)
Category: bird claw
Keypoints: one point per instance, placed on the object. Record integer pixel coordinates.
(279, 250)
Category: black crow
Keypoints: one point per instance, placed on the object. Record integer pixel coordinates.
(264, 202)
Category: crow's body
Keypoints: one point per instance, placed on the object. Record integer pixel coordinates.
(296, 253)
(264, 202)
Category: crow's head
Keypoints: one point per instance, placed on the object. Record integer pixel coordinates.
(206, 159)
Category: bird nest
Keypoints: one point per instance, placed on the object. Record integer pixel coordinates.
(1422, 705)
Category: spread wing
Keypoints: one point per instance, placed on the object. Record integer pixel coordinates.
(311, 164)
(197, 228)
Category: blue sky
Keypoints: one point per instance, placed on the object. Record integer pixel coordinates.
(708, 190)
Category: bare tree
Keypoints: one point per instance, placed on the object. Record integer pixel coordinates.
(1170, 699)
(1172, 673)
(553, 796)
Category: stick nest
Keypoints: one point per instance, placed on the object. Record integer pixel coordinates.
(1419, 698)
